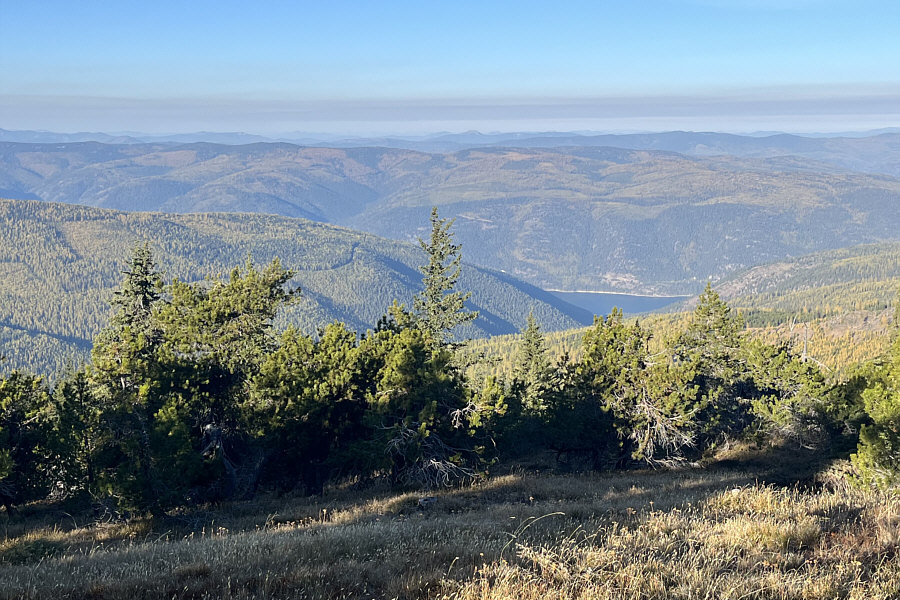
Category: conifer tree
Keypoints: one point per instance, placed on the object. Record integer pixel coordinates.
(790, 395)
(309, 403)
(25, 439)
(216, 337)
(420, 413)
(139, 292)
(172, 376)
(877, 458)
(531, 378)
(439, 308)
(710, 352)
(77, 430)
(126, 380)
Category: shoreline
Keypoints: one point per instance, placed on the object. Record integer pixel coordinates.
(616, 293)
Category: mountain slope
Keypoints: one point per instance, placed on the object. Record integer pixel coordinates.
(626, 220)
(836, 306)
(59, 264)
(859, 278)
(568, 218)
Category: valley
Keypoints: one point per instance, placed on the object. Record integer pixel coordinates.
(60, 263)
(646, 221)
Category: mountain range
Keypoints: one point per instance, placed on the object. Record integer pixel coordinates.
(873, 151)
(586, 217)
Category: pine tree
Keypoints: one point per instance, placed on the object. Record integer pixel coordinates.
(713, 336)
(419, 410)
(25, 439)
(711, 354)
(438, 307)
(77, 430)
(650, 401)
(309, 403)
(789, 394)
(172, 376)
(216, 335)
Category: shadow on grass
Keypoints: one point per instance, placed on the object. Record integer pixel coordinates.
(536, 486)
(785, 465)
(376, 542)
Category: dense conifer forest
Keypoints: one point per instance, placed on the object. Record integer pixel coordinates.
(192, 396)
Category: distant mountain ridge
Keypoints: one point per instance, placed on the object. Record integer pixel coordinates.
(877, 151)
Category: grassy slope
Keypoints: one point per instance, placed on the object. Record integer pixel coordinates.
(836, 342)
(59, 264)
(697, 533)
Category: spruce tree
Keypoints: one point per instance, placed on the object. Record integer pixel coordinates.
(126, 380)
(439, 308)
(531, 378)
(139, 292)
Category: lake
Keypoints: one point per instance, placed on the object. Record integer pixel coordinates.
(602, 303)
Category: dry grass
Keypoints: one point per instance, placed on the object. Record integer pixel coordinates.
(748, 542)
(688, 534)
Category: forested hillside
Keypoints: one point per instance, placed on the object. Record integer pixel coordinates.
(838, 343)
(59, 264)
(567, 218)
(862, 277)
(833, 306)
(877, 153)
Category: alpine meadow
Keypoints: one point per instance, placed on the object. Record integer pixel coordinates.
(469, 301)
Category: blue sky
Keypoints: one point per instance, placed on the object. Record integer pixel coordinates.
(414, 67)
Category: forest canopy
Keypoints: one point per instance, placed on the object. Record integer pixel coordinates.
(191, 396)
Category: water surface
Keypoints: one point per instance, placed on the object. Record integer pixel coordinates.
(602, 303)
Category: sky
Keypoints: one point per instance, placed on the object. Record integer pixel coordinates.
(409, 68)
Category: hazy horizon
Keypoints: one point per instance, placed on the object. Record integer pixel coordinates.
(326, 136)
(405, 68)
